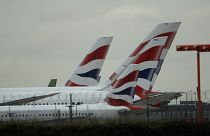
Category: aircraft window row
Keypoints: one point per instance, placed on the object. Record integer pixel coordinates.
(26, 115)
(73, 103)
(17, 115)
(62, 114)
(85, 114)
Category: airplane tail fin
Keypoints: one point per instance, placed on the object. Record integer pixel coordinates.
(164, 33)
(122, 91)
(52, 83)
(151, 57)
(87, 73)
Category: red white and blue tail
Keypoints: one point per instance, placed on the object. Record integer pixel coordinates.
(164, 33)
(122, 92)
(87, 73)
(151, 57)
(129, 60)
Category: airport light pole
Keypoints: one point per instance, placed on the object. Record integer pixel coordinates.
(199, 48)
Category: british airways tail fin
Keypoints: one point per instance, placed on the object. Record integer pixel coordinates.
(87, 73)
(122, 91)
(151, 57)
(165, 33)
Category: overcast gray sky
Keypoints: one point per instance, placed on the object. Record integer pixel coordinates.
(44, 39)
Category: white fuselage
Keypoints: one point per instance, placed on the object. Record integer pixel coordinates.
(56, 112)
(80, 95)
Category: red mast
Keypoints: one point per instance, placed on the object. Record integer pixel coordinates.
(199, 48)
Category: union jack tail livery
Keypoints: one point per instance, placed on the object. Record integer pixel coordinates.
(122, 92)
(153, 48)
(151, 57)
(87, 73)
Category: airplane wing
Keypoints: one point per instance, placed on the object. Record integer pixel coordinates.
(155, 101)
(26, 100)
(159, 99)
(136, 112)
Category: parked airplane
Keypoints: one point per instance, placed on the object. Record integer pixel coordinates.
(161, 36)
(118, 101)
(86, 74)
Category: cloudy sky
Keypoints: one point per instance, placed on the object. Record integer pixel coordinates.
(44, 39)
